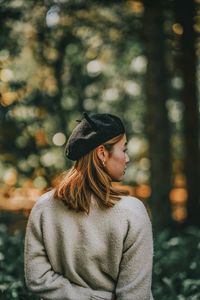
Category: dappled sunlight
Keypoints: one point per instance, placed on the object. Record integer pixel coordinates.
(136, 6)
(143, 191)
(59, 139)
(23, 198)
(178, 196)
(177, 28)
(17, 199)
(6, 75)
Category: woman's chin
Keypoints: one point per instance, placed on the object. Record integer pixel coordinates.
(117, 179)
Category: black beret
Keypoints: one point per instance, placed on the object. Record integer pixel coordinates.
(91, 132)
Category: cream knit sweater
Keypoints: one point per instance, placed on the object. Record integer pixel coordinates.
(105, 255)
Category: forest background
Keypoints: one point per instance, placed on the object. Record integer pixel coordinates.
(137, 59)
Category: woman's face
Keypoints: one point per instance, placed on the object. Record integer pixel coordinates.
(116, 162)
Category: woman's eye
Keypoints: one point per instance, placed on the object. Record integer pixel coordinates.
(125, 150)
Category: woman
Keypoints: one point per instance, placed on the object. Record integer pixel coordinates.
(87, 239)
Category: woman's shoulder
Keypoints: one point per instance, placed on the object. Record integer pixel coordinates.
(43, 201)
(133, 209)
(129, 203)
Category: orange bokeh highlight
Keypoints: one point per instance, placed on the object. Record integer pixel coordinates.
(136, 6)
(143, 191)
(40, 138)
(15, 199)
(178, 196)
(179, 213)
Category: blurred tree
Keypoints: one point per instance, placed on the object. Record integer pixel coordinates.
(9, 49)
(186, 62)
(64, 57)
(73, 56)
(157, 123)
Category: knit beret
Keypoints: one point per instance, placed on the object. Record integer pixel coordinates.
(91, 132)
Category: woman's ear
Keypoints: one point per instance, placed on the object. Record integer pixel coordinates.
(101, 152)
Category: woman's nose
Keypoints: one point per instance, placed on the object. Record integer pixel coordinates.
(127, 158)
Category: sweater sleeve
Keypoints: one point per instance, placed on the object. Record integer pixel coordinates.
(39, 275)
(135, 271)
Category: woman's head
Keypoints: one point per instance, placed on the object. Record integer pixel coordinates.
(94, 172)
(114, 157)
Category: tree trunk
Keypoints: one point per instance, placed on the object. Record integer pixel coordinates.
(157, 125)
(185, 12)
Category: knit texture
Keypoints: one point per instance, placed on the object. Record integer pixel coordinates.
(104, 255)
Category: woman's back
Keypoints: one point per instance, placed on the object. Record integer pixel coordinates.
(108, 251)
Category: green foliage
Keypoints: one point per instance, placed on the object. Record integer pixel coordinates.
(71, 56)
(176, 265)
(12, 285)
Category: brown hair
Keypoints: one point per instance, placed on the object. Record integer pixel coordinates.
(88, 176)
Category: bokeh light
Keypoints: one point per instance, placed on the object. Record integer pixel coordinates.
(59, 139)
